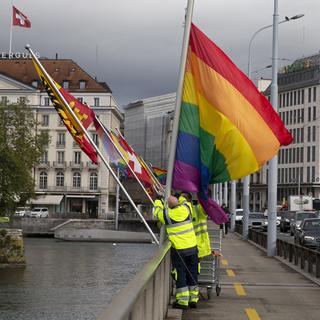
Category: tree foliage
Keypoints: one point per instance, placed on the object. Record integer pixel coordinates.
(21, 146)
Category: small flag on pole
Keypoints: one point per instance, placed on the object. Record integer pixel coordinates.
(20, 19)
(83, 112)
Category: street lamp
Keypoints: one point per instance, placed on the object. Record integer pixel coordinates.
(274, 102)
(286, 19)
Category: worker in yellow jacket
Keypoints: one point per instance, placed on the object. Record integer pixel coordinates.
(184, 252)
(199, 220)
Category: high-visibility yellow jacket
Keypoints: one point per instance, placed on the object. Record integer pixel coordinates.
(178, 223)
(199, 220)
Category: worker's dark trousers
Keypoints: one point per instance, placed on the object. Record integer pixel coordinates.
(186, 267)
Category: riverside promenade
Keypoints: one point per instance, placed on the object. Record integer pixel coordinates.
(255, 286)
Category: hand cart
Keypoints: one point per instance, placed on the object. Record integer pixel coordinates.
(210, 265)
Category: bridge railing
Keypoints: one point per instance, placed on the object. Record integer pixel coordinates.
(147, 295)
(307, 259)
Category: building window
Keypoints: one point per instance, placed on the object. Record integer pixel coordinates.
(43, 181)
(298, 96)
(314, 133)
(4, 101)
(60, 157)
(44, 157)
(61, 139)
(60, 179)
(77, 157)
(309, 134)
(308, 154)
(314, 94)
(314, 113)
(65, 84)
(308, 174)
(45, 120)
(295, 97)
(291, 99)
(309, 97)
(313, 158)
(82, 84)
(93, 181)
(76, 180)
(302, 96)
(46, 101)
(95, 139)
(313, 174)
(96, 102)
(22, 100)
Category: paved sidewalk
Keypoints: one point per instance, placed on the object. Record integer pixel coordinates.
(257, 287)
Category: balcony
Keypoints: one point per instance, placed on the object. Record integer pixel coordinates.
(60, 165)
(70, 189)
(61, 144)
(43, 165)
(76, 165)
(91, 165)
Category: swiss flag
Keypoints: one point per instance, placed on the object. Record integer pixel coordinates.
(20, 19)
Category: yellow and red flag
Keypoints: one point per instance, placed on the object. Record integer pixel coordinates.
(83, 112)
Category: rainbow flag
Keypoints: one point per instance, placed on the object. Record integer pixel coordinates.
(161, 174)
(227, 128)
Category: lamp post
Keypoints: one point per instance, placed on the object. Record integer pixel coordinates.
(274, 102)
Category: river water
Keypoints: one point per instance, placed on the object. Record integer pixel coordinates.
(68, 280)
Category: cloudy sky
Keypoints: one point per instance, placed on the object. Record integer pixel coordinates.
(135, 45)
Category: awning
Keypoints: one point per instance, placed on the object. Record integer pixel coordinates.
(48, 199)
(80, 196)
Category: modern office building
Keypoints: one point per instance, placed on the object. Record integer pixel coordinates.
(66, 180)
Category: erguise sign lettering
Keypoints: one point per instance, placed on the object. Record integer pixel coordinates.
(17, 55)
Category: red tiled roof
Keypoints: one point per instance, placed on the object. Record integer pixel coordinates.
(23, 70)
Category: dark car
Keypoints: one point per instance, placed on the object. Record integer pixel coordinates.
(299, 217)
(309, 233)
(285, 220)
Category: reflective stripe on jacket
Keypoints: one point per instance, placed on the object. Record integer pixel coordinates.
(199, 221)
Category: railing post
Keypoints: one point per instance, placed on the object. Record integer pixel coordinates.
(290, 252)
(318, 265)
(310, 261)
(302, 258)
(296, 255)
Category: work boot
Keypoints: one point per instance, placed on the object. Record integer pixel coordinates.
(193, 305)
(177, 305)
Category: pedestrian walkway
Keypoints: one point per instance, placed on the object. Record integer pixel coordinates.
(255, 287)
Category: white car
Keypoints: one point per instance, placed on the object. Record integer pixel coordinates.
(239, 214)
(22, 211)
(39, 213)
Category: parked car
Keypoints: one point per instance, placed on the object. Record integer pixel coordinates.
(285, 220)
(239, 214)
(258, 220)
(22, 212)
(299, 217)
(309, 233)
(39, 213)
(279, 215)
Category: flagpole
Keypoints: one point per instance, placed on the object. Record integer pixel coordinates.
(146, 167)
(123, 158)
(116, 218)
(185, 44)
(79, 123)
(10, 41)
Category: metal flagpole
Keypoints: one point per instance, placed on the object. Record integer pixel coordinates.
(79, 123)
(220, 194)
(123, 158)
(177, 109)
(182, 67)
(146, 167)
(11, 26)
(233, 205)
(273, 163)
(116, 220)
(245, 205)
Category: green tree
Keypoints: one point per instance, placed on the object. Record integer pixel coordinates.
(21, 147)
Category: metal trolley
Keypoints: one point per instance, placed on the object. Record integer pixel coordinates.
(210, 265)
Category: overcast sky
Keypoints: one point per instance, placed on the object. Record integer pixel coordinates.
(135, 45)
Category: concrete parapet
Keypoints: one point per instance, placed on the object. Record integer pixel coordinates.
(11, 248)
